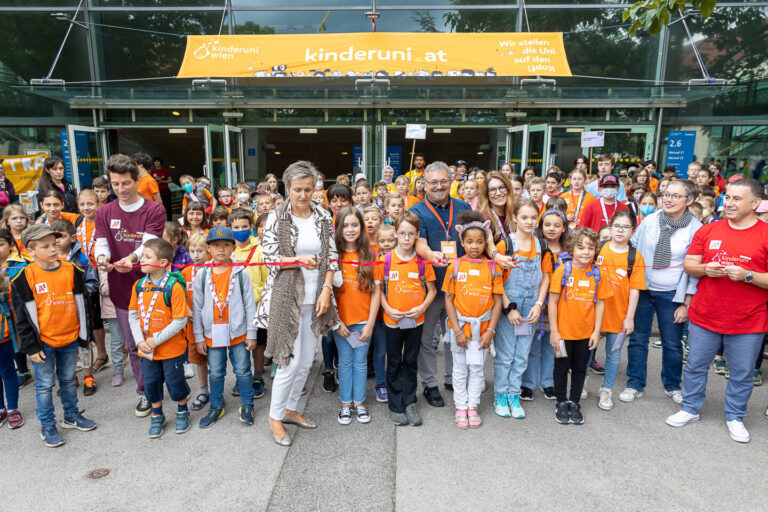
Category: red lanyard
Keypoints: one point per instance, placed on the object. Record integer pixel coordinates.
(147, 315)
(450, 216)
(605, 214)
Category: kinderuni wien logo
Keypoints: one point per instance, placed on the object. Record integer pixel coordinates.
(215, 50)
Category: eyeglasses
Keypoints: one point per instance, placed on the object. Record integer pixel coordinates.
(618, 227)
(674, 197)
(435, 183)
(497, 190)
(401, 234)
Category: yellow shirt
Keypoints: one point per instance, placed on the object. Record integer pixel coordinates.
(257, 273)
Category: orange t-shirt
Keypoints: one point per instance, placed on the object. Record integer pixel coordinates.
(87, 239)
(573, 202)
(55, 300)
(546, 262)
(613, 268)
(221, 285)
(148, 187)
(354, 304)
(71, 217)
(410, 201)
(6, 332)
(160, 317)
(476, 287)
(189, 278)
(405, 290)
(576, 307)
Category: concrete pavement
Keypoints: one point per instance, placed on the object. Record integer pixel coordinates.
(626, 459)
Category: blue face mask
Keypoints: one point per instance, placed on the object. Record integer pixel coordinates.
(188, 188)
(647, 209)
(242, 235)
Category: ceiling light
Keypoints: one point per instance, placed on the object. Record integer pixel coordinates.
(308, 131)
(277, 152)
(176, 113)
(574, 130)
(441, 130)
(177, 130)
(344, 153)
(480, 153)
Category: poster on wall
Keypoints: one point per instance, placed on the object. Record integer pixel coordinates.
(23, 170)
(395, 159)
(680, 150)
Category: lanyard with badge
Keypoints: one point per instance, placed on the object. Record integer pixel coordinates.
(447, 246)
(501, 225)
(605, 213)
(82, 234)
(146, 315)
(220, 330)
(578, 206)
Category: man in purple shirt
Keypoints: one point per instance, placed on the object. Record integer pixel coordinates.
(122, 228)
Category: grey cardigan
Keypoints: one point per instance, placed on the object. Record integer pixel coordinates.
(242, 306)
(645, 240)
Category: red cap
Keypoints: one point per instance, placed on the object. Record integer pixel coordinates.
(735, 177)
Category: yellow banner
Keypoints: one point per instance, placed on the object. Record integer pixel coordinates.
(23, 170)
(381, 54)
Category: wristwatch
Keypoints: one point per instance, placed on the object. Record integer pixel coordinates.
(512, 307)
(749, 277)
(539, 303)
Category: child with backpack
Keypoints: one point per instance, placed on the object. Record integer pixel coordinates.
(15, 263)
(541, 357)
(576, 308)
(177, 237)
(473, 293)
(406, 288)
(198, 252)
(223, 313)
(525, 290)
(15, 220)
(9, 345)
(157, 324)
(358, 307)
(624, 269)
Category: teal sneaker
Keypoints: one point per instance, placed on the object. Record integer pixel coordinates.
(246, 414)
(686, 347)
(757, 377)
(515, 408)
(211, 417)
(156, 426)
(501, 405)
(182, 421)
(721, 367)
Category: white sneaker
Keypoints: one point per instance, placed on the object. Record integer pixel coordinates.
(738, 431)
(583, 393)
(681, 419)
(676, 396)
(605, 401)
(629, 395)
(189, 371)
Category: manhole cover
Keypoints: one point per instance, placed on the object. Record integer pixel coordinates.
(98, 473)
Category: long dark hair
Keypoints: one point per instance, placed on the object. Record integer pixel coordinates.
(363, 248)
(46, 183)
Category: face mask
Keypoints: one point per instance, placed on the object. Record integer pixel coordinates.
(188, 188)
(226, 202)
(242, 197)
(204, 185)
(319, 185)
(647, 209)
(242, 235)
(608, 193)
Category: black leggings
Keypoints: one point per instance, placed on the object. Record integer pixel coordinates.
(576, 361)
(402, 366)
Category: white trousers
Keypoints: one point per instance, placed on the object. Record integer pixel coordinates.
(467, 381)
(291, 378)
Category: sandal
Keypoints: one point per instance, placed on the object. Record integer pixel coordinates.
(199, 402)
(100, 363)
(474, 418)
(460, 419)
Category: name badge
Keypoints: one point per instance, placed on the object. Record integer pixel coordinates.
(41, 288)
(220, 335)
(189, 286)
(583, 284)
(461, 277)
(448, 248)
(715, 244)
(413, 275)
(474, 272)
(599, 260)
(621, 272)
(570, 281)
(394, 275)
(114, 224)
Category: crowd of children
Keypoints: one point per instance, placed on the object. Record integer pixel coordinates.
(538, 303)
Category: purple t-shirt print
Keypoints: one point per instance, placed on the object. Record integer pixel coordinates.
(124, 232)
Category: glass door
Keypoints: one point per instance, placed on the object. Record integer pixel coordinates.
(538, 148)
(85, 150)
(234, 155)
(626, 143)
(216, 156)
(517, 147)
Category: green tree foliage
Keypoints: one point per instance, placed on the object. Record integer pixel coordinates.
(651, 15)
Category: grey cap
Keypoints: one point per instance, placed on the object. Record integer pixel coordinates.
(37, 232)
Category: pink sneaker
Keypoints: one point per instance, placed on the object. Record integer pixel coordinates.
(460, 419)
(474, 418)
(14, 419)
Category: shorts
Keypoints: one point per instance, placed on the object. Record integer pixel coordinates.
(94, 306)
(261, 337)
(194, 357)
(170, 371)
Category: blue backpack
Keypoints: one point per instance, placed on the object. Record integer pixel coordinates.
(567, 261)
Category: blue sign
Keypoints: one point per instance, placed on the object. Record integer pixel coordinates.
(395, 159)
(84, 158)
(680, 150)
(65, 155)
(251, 151)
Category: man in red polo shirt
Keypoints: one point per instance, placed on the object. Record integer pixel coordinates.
(598, 213)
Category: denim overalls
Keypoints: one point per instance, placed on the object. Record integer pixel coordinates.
(521, 287)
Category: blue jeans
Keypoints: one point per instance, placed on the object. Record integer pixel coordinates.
(511, 359)
(8, 378)
(671, 348)
(353, 367)
(541, 362)
(612, 360)
(217, 369)
(742, 349)
(60, 361)
(380, 353)
(168, 371)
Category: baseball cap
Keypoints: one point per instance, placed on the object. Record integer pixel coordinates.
(461, 162)
(735, 177)
(220, 233)
(763, 208)
(609, 180)
(37, 232)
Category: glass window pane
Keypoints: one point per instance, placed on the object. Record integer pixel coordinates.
(16, 140)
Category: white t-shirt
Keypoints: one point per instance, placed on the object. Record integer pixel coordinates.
(308, 244)
(665, 279)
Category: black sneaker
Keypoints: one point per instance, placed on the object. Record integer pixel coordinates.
(448, 386)
(549, 393)
(563, 413)
(433, 397)
(329, 383)
(597, 367)
(143, 407)
(576, 417)
(526, 394)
